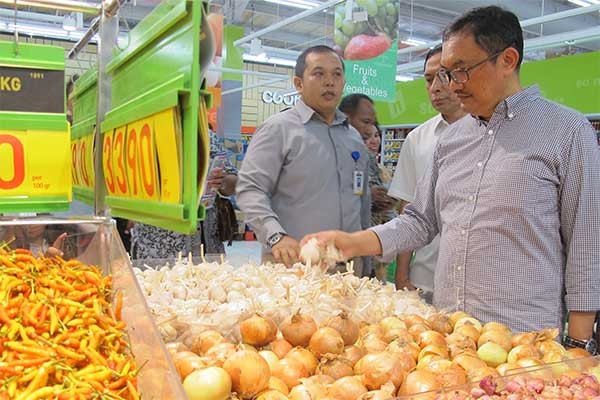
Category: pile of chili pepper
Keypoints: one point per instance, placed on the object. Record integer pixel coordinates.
(60, 338)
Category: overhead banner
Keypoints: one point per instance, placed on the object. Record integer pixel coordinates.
(366, 37)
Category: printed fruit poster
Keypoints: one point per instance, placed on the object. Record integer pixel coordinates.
(366, 37)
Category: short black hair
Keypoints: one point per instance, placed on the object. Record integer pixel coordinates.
(493, 29)
(320, 49)
(349, 103)
(432, 52)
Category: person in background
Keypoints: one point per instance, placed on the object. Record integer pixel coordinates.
(305, 168)
(361, 114)
(417, 152)
(379, 177)
(68, 90)
(218, 226)
(513, 188)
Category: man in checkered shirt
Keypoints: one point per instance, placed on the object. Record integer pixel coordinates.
(514, 190)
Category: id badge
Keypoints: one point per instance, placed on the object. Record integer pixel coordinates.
(358, 182)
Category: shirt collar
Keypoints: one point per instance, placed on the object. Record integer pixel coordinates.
(306, 113)
(514, 104)
(439, 125)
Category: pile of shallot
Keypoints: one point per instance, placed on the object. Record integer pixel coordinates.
(187, 299)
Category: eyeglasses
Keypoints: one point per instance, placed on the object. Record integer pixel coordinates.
(461, 75)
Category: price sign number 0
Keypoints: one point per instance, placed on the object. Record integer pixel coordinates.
(34, 163)
(11, 147)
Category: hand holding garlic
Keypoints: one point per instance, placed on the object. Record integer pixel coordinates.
(314, 254)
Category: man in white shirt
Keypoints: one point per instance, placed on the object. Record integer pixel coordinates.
(416, 153)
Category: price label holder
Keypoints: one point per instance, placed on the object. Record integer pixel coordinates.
(154, 156)
(35, 160)
(84, 100)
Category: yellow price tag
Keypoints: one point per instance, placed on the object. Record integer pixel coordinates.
(168, 148)
(107, 163)
(35, 163)
(118, 161)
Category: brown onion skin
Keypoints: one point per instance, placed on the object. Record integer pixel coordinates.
(205, 340)
(305, 357)
(280, 347)
(346, 327)
(290, 371)
(419, 381)
(249, 373)
(326, 340)
(258, 331)
(336, 367)
(347, 388)
(298, 329)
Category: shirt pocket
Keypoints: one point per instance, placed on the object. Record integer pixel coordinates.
(526, 185)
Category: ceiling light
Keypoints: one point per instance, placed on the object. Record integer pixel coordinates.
(69, 22)
(264, 59)
(414, 42)
(305, 4)
(404, 78)
(581, 3)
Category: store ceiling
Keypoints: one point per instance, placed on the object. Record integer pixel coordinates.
(421, 20)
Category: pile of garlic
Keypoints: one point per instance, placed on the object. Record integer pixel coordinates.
(186, 298)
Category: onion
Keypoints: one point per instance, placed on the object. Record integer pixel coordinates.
(523, 338)
(469, 363)
(346, 388)
(417, 329)
(322, 380)
(429, 338)
(219, 353)
(270, 357)
(335, 366)
(389, 323)
(577, 352)
(441, 323)
(271, 394)
(372, 329)
(186, 363)
(175, 347)
(469, 321)
(246, 346)
(550, 346)
(448, 373)
(478, 374)
(505, 368)
(305, 357)
(378, 369)
(258, 331)
(413, 319)
(468, 330)
(419, 381)
(210, 383)
(497, 336)
(496, 326)
(280, 347)
(528, 362)
(398, 334)
(249, 373)
(410, 349)
(290, 371)
(298, 329)
(492, 354)
(386, 392)
(428, 359)
(373, 344)
(454, 317)
(353, 353)
(307, 392)
(345, 326)
(523, 351)
(204, 341)
(326, 340)
(458, 343)
(433, 349)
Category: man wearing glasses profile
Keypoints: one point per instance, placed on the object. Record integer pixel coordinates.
(514, 191)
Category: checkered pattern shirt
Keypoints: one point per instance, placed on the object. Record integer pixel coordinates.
(517, 202)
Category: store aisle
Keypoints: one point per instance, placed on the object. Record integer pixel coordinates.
(241, 252)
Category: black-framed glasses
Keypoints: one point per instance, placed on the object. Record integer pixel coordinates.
(461, 75)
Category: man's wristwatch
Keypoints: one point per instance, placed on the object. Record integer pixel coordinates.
(589, 345)
(274, 239)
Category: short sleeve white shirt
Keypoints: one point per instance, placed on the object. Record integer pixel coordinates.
(415, 156)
